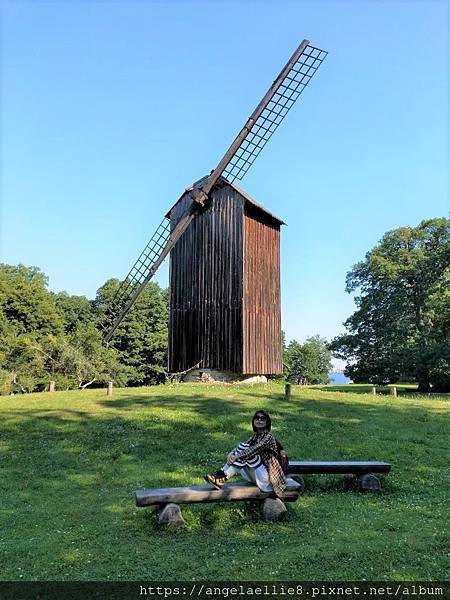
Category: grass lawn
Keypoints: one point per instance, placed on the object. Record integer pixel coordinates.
(70, 462)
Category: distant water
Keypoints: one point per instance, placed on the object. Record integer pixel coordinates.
(338, 378)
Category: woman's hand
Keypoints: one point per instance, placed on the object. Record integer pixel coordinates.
(231, 458)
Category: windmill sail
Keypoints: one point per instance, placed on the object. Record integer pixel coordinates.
(252, 138)
(288, 86)
(145, 267)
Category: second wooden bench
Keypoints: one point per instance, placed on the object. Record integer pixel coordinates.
(363, 470)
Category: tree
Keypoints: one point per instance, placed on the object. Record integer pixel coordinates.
(29, 318)
(309, 362)
(83, 357)
(74, 310)
(294, 361)
(401, 327)
(26, 304)
(23, 365)
(142, 336)
(46, 336)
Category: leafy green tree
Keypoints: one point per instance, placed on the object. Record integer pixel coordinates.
(46, 336)
(142, 336)
(84, 358)
(28, 319)
(294, 361)
(23, 366)
(26, 304)
(401, 327)
(318, 359)
(74, 310)
(309, 362)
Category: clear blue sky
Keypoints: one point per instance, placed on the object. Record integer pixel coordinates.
(110, 109)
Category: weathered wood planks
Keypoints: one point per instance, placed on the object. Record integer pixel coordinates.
(206, 493)
(354, 467)
(225, 287)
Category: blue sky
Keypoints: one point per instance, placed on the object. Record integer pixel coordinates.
(110, 109)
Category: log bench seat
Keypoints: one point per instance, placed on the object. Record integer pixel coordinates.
(167, 499)
(207, 493)
(363, 469)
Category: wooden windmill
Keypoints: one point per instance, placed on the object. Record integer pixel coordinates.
(225, 257)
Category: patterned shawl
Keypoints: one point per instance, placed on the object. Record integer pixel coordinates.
(264, 444)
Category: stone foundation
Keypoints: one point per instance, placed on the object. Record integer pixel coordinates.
(216, 376)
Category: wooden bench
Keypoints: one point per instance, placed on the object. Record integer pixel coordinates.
(167, 499)
(363, 469)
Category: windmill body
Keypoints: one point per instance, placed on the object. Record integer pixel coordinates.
(225, 310)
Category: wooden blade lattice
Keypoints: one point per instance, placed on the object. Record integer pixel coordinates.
(139, 271)
(159, 246)
(137, 275)
(276, 109)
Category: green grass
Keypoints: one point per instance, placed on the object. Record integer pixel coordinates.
(70, 462)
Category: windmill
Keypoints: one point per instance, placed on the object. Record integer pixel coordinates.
(224, 268)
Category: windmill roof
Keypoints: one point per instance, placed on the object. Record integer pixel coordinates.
(243, 193)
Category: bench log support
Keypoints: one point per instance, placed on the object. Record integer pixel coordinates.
(272, 509)
(369, 483)
(170, 514)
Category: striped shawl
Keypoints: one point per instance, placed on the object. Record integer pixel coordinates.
(265, 445)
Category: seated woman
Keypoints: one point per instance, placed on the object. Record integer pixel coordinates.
(255, 459)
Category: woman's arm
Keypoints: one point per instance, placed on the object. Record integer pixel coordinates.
(264, 442)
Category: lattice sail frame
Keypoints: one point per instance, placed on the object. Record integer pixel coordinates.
(273, 114)
(259, 128)
(139, 271)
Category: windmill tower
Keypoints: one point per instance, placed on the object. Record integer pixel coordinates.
(225, 312)
(225, 259)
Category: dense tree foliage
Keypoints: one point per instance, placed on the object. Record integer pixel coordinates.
(46, 336)
(75, 310)
(401, 328)
(29, 321)
(26, 307)
(309, 362)
(141, 337)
